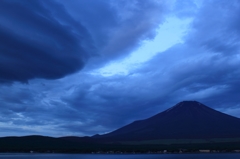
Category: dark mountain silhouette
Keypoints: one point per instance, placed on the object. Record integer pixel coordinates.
(185, 120)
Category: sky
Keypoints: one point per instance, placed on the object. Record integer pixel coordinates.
(86, 67)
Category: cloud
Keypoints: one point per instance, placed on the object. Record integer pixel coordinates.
(185, 8)
(204, 66)
(35, 43)
(208, 60)
(216, 29)
(52, 39)
(124, 26)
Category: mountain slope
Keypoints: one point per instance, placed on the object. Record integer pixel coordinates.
(186, 120)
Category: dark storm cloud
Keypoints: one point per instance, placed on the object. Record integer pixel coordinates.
(38, 39)
(48, 39)
(118, 27)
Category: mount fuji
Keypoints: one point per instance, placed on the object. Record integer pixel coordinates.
(185, 120)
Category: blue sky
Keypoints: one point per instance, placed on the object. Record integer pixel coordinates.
(84, 67)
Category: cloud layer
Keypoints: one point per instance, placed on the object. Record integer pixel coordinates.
(40, 40)
(46, 40)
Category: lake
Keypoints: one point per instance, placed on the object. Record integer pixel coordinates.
(123, 156)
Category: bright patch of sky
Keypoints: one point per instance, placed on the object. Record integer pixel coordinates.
(168, 34)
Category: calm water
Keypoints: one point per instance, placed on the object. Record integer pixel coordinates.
(83, 156)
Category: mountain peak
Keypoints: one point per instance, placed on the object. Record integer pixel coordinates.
(187, 119)
(189, 103)
(186, 105)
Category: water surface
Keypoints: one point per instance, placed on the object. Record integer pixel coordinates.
(124, 156)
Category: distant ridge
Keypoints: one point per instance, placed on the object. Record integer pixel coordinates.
(185, 120)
